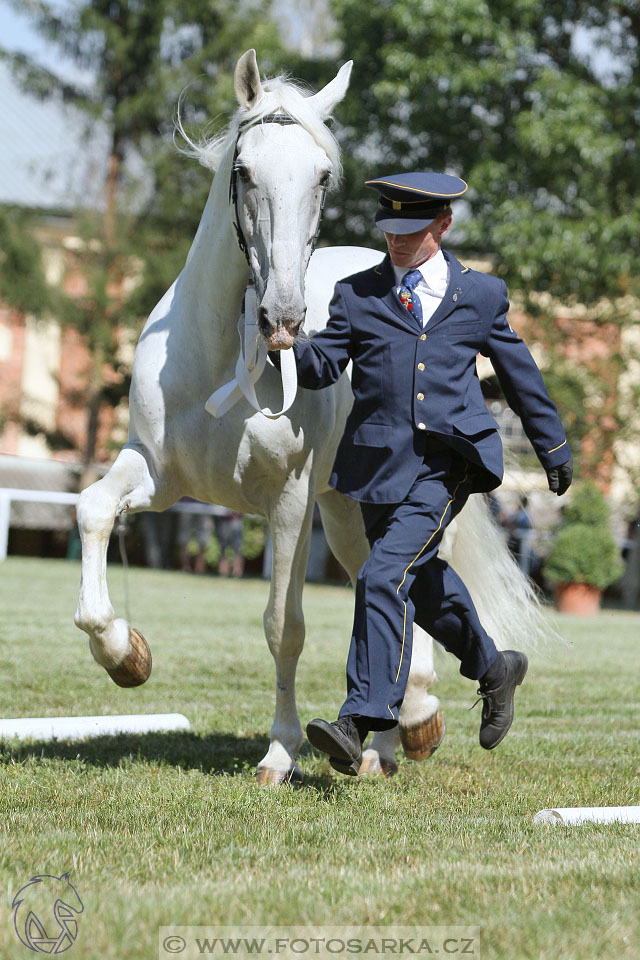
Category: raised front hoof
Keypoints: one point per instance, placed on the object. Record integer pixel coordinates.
(420, 740)
(373, 765)
(268, 777)
(136, 666)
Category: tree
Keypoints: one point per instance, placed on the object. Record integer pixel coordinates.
(21, 271)
(141, 54)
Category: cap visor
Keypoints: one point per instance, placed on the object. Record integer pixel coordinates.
(396, 225)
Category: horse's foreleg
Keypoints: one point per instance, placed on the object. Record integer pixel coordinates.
(290, 526)
(128, 485)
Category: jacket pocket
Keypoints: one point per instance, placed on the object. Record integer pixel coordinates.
(475, 423)
(372, 435)
(455, 327)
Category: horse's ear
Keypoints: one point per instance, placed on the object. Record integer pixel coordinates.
(246, 80)
(325, 100)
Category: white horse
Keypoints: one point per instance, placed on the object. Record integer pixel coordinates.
(274, 467)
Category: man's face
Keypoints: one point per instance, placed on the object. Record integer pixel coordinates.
(409, 250)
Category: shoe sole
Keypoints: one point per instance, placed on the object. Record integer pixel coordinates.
(348, 769)
(519, 678)
(339, 757)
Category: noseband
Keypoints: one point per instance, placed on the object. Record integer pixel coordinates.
(284, 121)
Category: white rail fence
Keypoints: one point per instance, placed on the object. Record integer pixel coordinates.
(10, 494)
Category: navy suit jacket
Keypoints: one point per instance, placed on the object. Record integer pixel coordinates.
(408, 382)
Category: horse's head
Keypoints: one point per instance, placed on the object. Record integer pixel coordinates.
(285, 158)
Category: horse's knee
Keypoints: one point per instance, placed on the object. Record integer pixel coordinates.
(95, 512)
(285, 634)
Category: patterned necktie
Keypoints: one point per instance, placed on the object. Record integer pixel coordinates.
(410, 299)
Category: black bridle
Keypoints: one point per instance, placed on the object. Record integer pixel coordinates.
(284, 121)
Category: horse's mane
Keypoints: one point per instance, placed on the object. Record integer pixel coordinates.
(280, 96)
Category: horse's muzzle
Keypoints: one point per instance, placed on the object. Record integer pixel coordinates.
(282, 334)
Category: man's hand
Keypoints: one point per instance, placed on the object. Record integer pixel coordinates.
(560, 477)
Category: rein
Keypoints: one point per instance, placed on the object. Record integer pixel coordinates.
(252, 357)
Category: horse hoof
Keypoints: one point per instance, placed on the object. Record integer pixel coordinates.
(268, 777)
(420, 740)
(136, 666)
(375, 765)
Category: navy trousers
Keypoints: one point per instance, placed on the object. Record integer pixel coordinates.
(404, 580)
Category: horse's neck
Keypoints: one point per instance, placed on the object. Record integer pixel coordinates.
(215, 275)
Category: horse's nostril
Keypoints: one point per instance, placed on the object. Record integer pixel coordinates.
(263, 321)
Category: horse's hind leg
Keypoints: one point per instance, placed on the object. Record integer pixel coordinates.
(128, 485)
(290, 526)
(421, 722)
(421, 725)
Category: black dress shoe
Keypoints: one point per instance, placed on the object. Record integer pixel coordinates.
(497, 707)
(340, 740)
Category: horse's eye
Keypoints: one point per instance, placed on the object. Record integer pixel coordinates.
(243, 173)
(324, 179)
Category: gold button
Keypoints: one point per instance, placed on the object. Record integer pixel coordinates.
(422, 426)
(421, 366)
(420, 396)
(423, 336)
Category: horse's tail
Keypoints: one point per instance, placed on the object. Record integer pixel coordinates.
(509, 607)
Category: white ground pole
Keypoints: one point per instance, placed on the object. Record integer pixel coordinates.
(77, 728)
(579, 815)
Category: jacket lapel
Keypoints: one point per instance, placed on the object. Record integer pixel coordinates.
(386, 291)
(460, 282)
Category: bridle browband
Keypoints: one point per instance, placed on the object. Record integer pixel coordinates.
(245, 125)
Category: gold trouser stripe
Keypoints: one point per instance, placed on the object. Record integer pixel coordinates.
(404, 630)
(437, 530)
(553, 449)
(390, 711)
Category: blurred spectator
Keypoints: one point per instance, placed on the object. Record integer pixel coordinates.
(229, 530)
(495, 509)
(193, 528)
(521, 537)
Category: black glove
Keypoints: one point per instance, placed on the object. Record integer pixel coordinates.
(560, 477)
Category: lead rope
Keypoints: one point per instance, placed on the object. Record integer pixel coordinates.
(252, 358)
(121, 530)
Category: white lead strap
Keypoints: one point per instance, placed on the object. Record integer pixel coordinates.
(249, 367)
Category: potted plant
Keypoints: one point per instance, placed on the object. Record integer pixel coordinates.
(584, 559)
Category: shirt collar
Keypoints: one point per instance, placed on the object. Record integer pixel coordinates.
(435, 273)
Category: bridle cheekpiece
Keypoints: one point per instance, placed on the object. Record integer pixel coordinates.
(285, 121)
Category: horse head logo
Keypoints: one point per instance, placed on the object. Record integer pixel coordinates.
(45, 912)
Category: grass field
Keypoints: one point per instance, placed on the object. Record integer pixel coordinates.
(171, 829)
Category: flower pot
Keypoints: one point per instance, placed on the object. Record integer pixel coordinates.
(581, 599)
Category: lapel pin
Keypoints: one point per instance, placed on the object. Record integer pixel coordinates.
(455, 296)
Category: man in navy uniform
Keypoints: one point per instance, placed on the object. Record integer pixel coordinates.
(419, 440)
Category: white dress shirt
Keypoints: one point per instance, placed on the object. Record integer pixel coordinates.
(433, 285)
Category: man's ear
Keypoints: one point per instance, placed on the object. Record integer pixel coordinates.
(444, 225)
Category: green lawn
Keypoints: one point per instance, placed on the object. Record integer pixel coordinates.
(171, 829)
